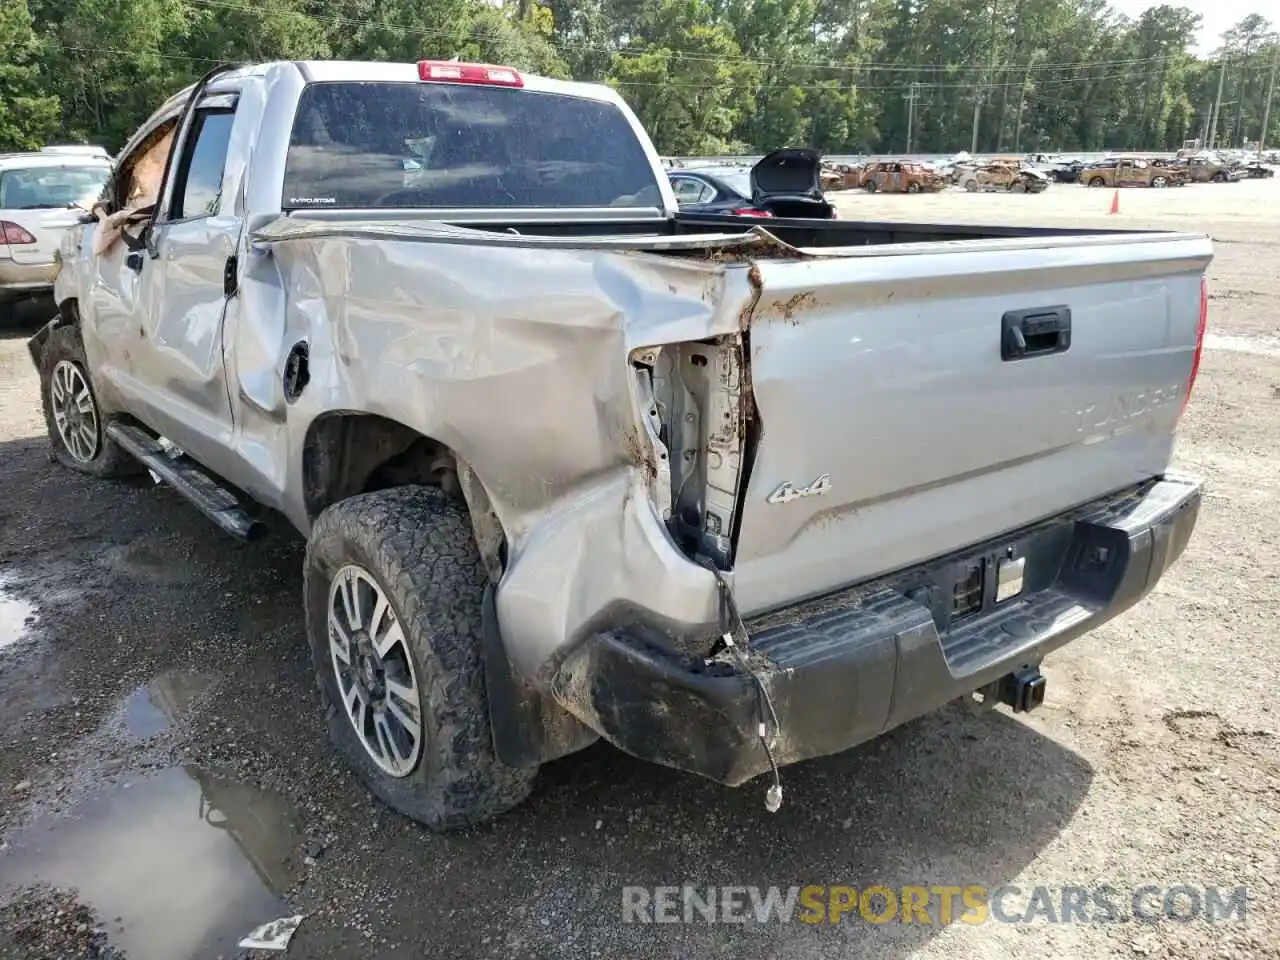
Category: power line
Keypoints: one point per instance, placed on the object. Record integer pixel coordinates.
(781, 84)
(869, 66)
(128, 53)
(1047, 82)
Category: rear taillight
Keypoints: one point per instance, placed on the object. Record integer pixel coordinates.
(751, 212)
(13, 234)
(447, 71)
(1195, 357)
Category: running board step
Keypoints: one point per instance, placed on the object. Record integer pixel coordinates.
(206, 495)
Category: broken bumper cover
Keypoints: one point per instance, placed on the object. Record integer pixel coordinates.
(844, 668)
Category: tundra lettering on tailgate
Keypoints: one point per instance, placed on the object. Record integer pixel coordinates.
(1123, 407)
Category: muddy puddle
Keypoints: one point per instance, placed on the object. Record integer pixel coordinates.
(178, 864)
(16, 615)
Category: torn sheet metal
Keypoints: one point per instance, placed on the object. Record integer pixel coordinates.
(436, 231)
(274, 935)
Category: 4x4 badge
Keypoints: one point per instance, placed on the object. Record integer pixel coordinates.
(788, 491)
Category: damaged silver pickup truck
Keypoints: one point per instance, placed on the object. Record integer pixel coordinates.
(573, 465)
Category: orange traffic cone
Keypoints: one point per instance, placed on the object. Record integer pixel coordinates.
(1115, 203)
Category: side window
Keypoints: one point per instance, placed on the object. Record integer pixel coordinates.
(197, 186)
(687, 190)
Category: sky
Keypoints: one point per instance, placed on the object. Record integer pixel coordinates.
(1217, 15)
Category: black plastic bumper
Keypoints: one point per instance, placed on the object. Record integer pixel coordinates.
(849, 666)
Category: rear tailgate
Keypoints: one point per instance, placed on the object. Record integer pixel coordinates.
(899, 421)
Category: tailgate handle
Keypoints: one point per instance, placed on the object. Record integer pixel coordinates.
(1035, 333)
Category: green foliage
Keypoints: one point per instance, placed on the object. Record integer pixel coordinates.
(28, 114)
(705, 76)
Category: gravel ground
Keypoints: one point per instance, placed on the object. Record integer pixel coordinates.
(161, 750)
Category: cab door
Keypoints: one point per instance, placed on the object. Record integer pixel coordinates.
(1128, 174)
(188, 268)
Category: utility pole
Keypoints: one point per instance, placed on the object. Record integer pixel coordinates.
(1022, 99)
(911, 97)
(1217, 106)
(1271, 89)
(980, 98)
(977, 117)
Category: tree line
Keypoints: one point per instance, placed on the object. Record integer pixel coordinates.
(705, 76)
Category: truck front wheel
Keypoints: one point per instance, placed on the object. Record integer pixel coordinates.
(394, 588)
(77, 428)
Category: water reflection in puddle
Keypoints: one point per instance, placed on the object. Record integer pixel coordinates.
(154, 707)
(189, 862)
(16, 615)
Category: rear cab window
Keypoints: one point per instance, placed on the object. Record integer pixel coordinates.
(383, 145)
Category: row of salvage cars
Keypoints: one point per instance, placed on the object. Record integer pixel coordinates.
(793, 182)
(1148, 170)
(1006, 174)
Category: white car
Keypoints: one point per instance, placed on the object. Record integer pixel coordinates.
(39, 197)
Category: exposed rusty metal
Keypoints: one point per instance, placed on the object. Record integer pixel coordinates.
(639, 452)
(790, 309)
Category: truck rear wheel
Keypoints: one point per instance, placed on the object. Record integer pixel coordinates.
(394, 586)
(77, 428)
(1097, 182)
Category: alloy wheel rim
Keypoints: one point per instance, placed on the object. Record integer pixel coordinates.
(374, 670)
(74, 412)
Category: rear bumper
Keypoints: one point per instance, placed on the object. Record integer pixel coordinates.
(844, 668)
(21, 280)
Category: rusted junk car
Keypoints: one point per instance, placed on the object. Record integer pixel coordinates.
(895, 176)
(1208, 168)
(1010, 175)
(841, 176)
(1132, 172)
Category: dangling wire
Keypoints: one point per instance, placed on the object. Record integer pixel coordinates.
(730, 624)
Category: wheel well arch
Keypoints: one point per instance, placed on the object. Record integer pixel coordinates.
(69, 310)
(347, 452)
(68, 315)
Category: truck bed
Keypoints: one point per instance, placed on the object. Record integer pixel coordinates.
(873, 413)
(849, 233)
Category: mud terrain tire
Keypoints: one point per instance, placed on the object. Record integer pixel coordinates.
(417, 544)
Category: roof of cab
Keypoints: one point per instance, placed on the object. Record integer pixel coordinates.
(364, 71)
(355, 71)
(369, 71)
(375, 71)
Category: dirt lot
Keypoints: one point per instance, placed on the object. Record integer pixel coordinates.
(161, 750)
